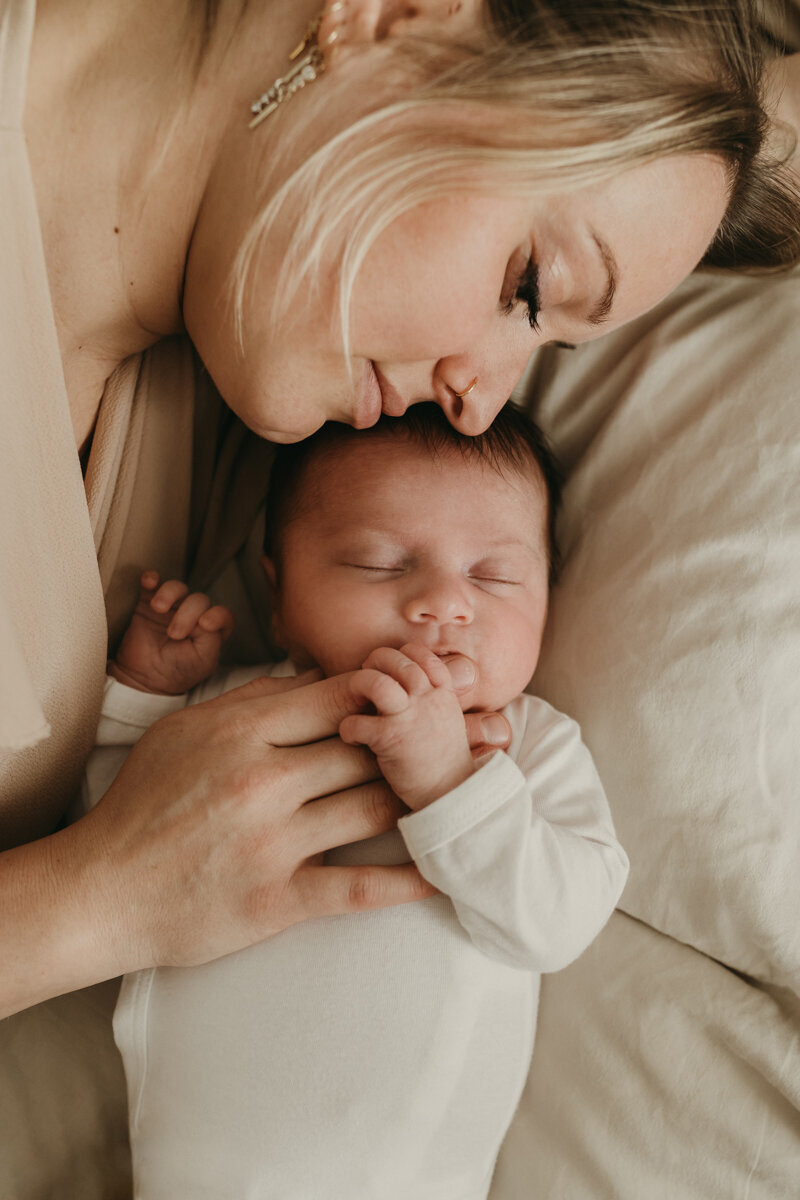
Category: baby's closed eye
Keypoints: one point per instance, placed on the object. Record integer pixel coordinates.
(496, 573)
(374, 568)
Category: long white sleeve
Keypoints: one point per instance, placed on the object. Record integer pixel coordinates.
(525, 848)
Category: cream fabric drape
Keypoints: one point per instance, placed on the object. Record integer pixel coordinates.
(51, 603)
(68, 550)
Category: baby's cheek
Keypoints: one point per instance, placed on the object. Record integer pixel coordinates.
(336, 642)
(503, 676)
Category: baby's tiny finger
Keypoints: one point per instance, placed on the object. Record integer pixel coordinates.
(149, 581)
(218, 619)
(168, 595)
(380, 689)
(399, 666)
(431, 664)
(189, 613)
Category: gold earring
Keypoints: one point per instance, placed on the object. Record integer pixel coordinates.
(466, 390)
(309, 63)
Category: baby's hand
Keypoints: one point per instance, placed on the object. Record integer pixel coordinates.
(417, 733)
(174, 639)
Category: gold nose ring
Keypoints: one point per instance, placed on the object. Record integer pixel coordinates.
(466, 390)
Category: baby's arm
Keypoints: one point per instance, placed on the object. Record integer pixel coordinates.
(173, 641)
(525, 849)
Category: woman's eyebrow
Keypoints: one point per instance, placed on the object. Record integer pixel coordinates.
(602, 309)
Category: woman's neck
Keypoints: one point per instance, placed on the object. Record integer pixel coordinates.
(128, 103)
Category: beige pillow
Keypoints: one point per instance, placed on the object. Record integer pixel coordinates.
(674, 636)
(657, 1075)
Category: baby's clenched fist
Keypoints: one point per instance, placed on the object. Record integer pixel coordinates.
(174, 639)
(417, 731)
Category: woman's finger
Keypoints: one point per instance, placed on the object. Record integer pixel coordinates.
(273, 685)
(262, 687)
(350, 816)
(329, 891)
(317, 769)
(377, 687)
(487, 731)
(292, 716)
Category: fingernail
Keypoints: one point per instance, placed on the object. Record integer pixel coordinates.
(494, 730)
(462, 672)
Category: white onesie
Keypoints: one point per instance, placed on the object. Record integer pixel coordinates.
(381, 1055)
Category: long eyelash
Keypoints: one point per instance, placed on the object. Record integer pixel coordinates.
(527, 292)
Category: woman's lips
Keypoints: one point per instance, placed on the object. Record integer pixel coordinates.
(371, 400)
(377, 396)
(393, 403)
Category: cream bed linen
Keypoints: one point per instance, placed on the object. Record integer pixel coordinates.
(669, 1066)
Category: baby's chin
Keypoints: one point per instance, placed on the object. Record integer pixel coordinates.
(491, 693)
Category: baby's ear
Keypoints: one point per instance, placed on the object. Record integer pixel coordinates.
(271, 573)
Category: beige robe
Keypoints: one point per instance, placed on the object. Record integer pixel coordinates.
(70, 556)
(174, 482)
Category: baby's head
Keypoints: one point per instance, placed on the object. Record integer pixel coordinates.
(411, 531)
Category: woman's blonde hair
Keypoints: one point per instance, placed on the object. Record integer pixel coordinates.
(552, 96)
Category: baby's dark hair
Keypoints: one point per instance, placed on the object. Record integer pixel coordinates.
(512, 440)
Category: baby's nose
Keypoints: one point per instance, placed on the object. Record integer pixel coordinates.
(443, 600)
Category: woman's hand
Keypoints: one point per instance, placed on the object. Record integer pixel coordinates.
(221, 814)
(211, 838)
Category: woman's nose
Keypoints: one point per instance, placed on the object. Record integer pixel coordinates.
(440, 601)
(472, 387)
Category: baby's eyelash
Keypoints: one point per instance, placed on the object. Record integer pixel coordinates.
(527, 292)
(370, 567)
(497, 579)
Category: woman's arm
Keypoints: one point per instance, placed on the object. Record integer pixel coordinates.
(205, 843)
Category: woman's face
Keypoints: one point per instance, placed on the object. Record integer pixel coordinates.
(456, 290)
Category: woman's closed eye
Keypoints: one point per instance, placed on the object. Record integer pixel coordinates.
(525, 291)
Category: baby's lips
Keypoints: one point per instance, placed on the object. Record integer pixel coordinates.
(462, 671)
